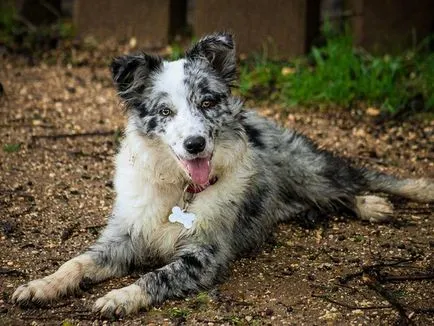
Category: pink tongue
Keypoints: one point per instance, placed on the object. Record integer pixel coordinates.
(199, 170)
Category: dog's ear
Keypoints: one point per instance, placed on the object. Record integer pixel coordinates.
(130, 73)
(219, 50)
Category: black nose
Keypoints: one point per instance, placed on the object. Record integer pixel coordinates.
(195, 144)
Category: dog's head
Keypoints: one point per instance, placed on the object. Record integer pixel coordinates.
(183, 103)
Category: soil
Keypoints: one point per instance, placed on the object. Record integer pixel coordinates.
(59, 130)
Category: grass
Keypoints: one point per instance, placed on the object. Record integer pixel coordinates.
(11, 148)
(175, 313)
(339, 74)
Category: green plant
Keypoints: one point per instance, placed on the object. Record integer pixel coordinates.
(202, 298)
(338, 74)
(176, 52)
(176, 313)
(7, 21)
(11, 148)
(18, 35)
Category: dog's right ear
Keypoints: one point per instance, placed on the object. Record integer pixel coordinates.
(130, 73)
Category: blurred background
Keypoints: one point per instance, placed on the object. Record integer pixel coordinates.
(378, 52)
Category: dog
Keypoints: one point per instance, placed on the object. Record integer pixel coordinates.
(199, 180)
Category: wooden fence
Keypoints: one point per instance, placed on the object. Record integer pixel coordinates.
(286, 28)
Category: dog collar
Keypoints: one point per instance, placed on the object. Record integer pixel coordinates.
(195, 189)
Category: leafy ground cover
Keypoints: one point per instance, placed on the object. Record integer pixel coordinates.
(337, 74)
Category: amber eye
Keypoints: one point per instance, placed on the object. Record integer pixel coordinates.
(165, 112)
(207, 104)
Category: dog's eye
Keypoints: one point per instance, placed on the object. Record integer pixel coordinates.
(165, 112)
(207, 104)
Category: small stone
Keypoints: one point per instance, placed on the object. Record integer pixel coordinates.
(311, 277)
(269, 312)
(132, 42)
(327, 266)
(373, 112)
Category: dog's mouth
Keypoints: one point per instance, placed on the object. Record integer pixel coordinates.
(199, 169)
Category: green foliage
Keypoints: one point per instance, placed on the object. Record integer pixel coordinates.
(176, 313)
(338, 74)
(11, 148)
(176, 52)
(15, 34)
(7, 21)
(202, 298)
(358, 238)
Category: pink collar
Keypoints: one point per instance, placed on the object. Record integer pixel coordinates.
(195, 189)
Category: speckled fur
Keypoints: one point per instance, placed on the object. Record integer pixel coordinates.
(265, 175)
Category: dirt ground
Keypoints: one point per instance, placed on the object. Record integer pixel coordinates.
(59, 129)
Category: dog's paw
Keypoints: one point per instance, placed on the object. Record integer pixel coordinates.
(38, 292)
(373, 208)
(121, 302)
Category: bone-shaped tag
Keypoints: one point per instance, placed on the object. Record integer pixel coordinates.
(184, 218)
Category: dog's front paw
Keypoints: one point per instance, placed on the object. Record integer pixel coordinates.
(38, 292)
(120, 302)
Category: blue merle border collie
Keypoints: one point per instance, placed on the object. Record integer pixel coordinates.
(190, 144)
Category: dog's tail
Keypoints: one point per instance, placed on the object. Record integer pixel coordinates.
(420, 190)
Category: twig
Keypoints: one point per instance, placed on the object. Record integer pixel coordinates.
(424, 310)
(78, 315)
(379, 289)
(27, 125)
(23, 212)
(50, 8)
(398, 278)
(84, 134)
(26, 22)
(97, 226)
(67, 233)
(348, 306)
(12, 272)
(372, 269)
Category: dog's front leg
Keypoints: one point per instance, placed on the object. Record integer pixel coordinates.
(107, 258)
(194, 269)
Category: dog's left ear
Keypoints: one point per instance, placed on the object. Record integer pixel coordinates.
(219, 50)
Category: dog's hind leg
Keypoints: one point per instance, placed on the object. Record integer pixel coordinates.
(377, 209)
(104, 260)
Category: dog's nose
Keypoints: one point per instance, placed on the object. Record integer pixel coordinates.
(195, 144)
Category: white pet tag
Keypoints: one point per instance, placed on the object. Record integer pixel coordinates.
(185, 218)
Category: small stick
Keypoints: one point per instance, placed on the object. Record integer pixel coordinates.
(400, 278)
(348, 306)
(379, 289)
(84, 134)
